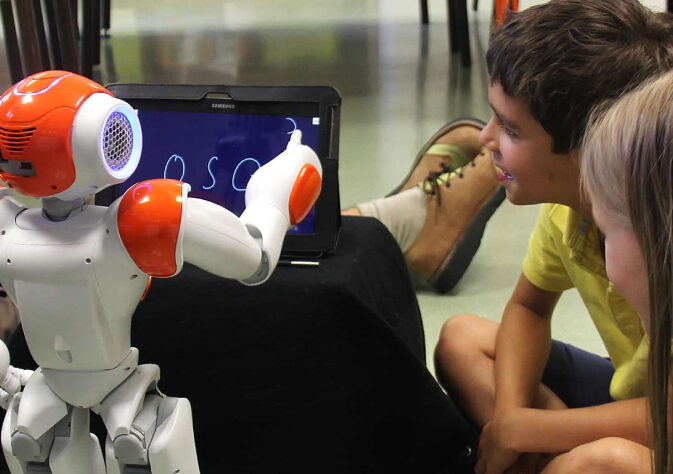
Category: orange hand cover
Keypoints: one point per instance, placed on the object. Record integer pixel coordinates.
(304, 193)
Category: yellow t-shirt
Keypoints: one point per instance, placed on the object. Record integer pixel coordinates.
(564, 252)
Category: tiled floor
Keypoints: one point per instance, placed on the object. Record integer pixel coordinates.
(398, 82)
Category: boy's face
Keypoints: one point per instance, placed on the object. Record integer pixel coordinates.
(522, 151)
(624, 262)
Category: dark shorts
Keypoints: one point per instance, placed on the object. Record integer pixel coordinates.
(578, 377)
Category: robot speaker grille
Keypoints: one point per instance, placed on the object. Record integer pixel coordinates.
(117, 141)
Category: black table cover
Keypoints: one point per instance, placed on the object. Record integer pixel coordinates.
(320, 370)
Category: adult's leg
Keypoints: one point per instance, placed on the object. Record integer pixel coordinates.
(410, 203)
(464, 136)
(439, 225)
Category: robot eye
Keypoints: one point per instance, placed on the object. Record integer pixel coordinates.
(117, 141)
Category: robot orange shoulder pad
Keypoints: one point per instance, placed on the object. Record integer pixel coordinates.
(149, 221)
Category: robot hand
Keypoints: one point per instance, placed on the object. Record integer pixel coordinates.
(280, 195)
(11, 378)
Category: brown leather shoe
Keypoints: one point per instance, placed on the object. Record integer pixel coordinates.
(451, 147)
(459, 205)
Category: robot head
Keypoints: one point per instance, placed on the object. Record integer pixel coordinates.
(64, 136)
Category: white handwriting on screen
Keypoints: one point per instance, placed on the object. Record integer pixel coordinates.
(176, 168)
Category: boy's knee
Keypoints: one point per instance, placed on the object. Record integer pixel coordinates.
(608, 455)
(457, 336)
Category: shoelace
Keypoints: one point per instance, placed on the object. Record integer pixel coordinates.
(435, 179)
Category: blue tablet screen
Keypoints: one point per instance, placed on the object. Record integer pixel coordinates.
(216, 153)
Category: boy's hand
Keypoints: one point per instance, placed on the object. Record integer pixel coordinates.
(496, 454)
(528, 463)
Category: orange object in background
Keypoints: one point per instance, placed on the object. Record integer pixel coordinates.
(501, 8)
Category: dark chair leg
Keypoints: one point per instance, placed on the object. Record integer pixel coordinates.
(475, 5)
(463, 32)
(75, 19)
(34, 54)
(41, 34)
(67, 34)
(54, 42)
(670, 6)
(452, 26)
(459, 35)
(86, 39)
(425, 18)
(105, 14)
(95, 31)
(11, 41)
(91, 18)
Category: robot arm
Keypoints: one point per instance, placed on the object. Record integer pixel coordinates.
(216, 241)
(279, 195)
(11, 378)
(161, 227)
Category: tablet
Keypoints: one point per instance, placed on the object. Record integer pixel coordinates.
(215, 137)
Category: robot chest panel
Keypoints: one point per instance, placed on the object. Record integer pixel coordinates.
(59, 276)
(48, 254)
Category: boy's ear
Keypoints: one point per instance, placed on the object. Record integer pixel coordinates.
(575, 156)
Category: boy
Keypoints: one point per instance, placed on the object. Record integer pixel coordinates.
(549, 66)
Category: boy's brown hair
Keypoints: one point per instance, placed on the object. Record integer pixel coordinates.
(564, 57)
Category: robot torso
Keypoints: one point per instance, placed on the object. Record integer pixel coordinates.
(74, 283)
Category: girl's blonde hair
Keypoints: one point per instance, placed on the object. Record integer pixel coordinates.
(627, 170)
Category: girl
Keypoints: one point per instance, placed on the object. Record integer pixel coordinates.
(627, 173)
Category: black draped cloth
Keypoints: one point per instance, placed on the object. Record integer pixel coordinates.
(319, 370)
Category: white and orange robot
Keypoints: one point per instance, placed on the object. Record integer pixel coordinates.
(77, 272)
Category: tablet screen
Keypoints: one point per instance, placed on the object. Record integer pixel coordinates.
(217, 152)
(214, 137)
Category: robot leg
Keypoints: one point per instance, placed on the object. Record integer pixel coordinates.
(66, 448)
(15, 465)
(75, 449)
(161, 440)
(173, 445)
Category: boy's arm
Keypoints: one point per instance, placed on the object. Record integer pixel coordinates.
(530, 430)
(522, 350)
(522, 346)
(521, 353)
